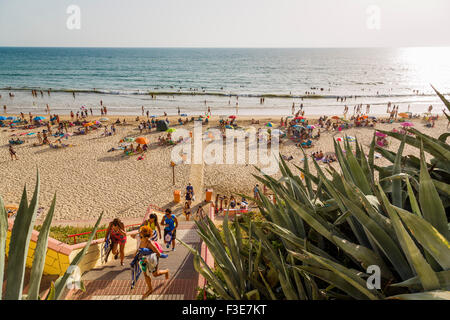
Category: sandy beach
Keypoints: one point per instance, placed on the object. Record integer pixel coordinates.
(88, 179)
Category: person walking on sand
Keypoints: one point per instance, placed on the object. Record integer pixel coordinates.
(12, 153)
(142, 108)
(4, 109)
(118, 236)
(170, 223)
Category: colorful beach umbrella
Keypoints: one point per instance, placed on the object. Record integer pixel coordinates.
(311, 127)
(299, 118)
(39, 118)
(2, 118)
(403, 115)
(171, 130)
(232, 117)
(269, 124)
(88, 124)
(11, 118)
(142, 140)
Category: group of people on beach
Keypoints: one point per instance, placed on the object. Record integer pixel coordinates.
(148, 250)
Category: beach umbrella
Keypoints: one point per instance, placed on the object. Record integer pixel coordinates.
(335, 117)
(88, 124)
(232, 117)
(142, 140)
(339, 139)
(2, 118)
(228, 127)
(407, 124)
(299, 118)
(104, 119)
(269, 124)
(403, 115)
(171, 130)
(39, 118)
(11, 118)
(380, 134)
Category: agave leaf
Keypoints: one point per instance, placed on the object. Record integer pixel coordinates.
(333, 279)
(432, 209)
(397, 184)
(51, 292)
(426, 274)
(232, 246)
(60, 283)
(441, 96)
(364, 256)
(430, 238)
(357, 171)
(202, 267)
(3, 235)
(382, 239)
(412, 199)
(40, 254)
(269, 289)
(18, 246)
(427, 295)
(443, 137)
(347, 275)
(415, 284)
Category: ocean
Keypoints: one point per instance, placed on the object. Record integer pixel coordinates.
(163, 79)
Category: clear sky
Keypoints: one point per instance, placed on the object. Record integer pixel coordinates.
(227, 23)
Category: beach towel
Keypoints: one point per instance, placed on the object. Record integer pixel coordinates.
(147, 265)
(106, 250)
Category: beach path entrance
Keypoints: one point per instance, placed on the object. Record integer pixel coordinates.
(112, 281)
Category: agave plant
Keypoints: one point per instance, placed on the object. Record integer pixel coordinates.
(18, 250)
(333, 226)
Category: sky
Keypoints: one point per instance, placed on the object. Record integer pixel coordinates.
(226, 23)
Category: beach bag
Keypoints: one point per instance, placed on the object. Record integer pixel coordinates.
(149, 263)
